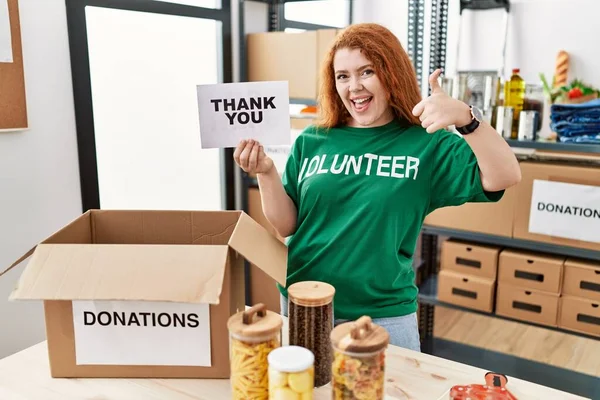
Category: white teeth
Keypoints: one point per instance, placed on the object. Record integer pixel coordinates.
(360, 101)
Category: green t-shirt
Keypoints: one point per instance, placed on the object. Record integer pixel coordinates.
(362, 195)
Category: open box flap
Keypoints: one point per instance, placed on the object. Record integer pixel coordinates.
(178, 273)
(261, 248)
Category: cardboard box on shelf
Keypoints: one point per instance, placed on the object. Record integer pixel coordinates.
(470, 259)
(527, 305)
(466, 291)
(559, 204)
(146, 293)
(531, 271)
(582, 279)
(580, 315)
(489, 218)
(293, 57)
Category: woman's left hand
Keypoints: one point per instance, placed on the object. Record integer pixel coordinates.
(439, 110)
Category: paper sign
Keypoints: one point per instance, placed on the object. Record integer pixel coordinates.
(141, 333)
(231, 112)
(5, 36)
(565, 210)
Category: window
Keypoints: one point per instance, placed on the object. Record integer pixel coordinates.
(144, 69)
(196, 3)
(335, 13)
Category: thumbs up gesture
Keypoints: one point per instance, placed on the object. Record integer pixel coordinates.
(439, 110)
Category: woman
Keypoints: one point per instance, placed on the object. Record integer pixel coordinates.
(359, 183)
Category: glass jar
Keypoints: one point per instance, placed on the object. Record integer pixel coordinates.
(535, 101)
(358, 366)
(291, 373)
(310, 311)
(253, 334)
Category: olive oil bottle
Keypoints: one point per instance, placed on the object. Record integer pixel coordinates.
(514, 96)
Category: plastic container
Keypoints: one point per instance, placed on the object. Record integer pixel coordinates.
(359, 360)
(311, 322)
(253, 335)
(291, 373)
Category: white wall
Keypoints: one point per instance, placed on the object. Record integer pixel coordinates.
(39, 175)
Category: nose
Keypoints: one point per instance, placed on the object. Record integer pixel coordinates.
(355, 85)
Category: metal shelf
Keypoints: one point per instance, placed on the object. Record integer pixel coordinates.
(428, 291)
(555, 146)
(308, 102)
(514, 243)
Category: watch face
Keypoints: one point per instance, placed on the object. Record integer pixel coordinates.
(477, 113)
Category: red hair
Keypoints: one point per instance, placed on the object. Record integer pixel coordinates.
(391, 64)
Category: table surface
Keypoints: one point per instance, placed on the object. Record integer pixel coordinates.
(409, 375)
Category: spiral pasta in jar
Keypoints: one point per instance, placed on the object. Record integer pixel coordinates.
(291, 373)
(253, 335)
(358, 368)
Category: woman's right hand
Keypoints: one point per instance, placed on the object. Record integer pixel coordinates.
(251, 157)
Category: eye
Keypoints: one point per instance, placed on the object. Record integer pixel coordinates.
(368, 72)
(341, 76)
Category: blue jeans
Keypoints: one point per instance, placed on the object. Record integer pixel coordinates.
(404, 330)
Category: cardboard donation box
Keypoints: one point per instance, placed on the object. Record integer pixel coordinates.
(559, 204)
(146, 293)
(489, 218)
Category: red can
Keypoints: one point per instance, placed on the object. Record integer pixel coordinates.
(494, 389)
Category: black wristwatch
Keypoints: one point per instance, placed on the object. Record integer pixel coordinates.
(476, 116)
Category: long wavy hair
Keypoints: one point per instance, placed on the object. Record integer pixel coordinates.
(391, 64)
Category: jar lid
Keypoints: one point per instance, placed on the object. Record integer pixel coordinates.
(360, 336)
(255, 322)
(291, 359)
(311, 293)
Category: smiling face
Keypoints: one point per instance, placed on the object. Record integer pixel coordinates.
(360, 89)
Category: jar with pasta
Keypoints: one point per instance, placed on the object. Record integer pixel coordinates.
(311, 322)
(253, 334)
(291, 373)
(358, 368)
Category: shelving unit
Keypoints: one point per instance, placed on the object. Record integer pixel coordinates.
(427, 267)
(428, 295)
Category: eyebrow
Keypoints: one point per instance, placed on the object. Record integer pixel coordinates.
(359, 69)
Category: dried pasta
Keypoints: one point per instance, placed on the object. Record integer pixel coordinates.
(249, 369)
(358, 378)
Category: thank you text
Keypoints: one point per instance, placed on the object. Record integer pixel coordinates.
(231, 112)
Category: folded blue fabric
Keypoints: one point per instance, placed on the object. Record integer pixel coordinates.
(576, 123)
(584, 139)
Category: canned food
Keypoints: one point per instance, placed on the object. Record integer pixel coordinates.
(291, 374)
(528, 123)
(504, 121)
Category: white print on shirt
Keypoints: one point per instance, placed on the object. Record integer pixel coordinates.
(399, 167)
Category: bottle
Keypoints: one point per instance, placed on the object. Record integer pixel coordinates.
(253, 335)
(311, 323)
(514, 96)
(291, 373)
(358, 367)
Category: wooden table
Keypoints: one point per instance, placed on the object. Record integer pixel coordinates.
(410, 375)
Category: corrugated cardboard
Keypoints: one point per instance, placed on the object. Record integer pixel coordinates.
(582, 279)
(166, 256)
(580, 315)
(550, 172)
(263, 287)
(490, 218)
(531, 271)
(470, 259)
(466, 291)
(527, 305)
(292, 57)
